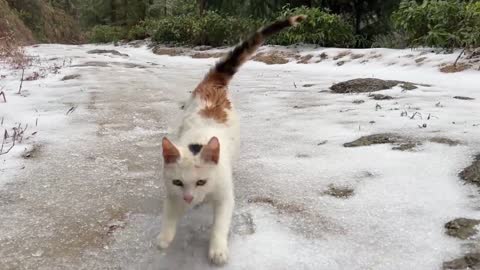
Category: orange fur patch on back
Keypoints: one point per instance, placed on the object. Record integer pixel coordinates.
(213, 90)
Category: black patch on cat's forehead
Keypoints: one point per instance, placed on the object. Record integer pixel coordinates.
(195, 148)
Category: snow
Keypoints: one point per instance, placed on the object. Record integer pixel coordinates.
(92, 198)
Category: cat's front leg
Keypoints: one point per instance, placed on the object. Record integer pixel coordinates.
(172, 211)
(223, 209)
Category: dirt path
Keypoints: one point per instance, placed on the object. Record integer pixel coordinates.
(90, 198)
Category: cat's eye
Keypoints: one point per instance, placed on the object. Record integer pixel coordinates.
(201, 182)
(177, 182)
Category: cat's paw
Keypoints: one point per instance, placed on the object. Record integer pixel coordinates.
(218, 255)
(163, 241)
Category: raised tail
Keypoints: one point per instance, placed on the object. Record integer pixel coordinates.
(229, 65)
(213, 89)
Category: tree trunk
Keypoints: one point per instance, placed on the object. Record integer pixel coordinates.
(202, 4)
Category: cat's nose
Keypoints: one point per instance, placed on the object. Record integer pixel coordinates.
(188, 198)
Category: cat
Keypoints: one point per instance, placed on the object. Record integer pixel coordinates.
(198, 164)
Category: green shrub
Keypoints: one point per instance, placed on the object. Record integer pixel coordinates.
(106, 33)
(210, 29)
(320, 28)
(137, 32)
(439, 23)
(393, 40)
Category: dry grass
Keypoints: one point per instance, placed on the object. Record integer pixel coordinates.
(12, 53)
(455, 68)
(274, 58)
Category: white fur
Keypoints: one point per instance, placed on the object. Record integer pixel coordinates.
(190, 168)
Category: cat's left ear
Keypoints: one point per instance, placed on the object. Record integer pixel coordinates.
(211, 151)
(170, 151)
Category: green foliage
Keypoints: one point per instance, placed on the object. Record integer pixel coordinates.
(209, 29)
(137, 32)
(106, 33)
(394, 40)
(320, 28)
(439, 23)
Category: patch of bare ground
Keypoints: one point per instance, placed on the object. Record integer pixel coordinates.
(471, 174)
(462, 228)
(168, 51)
(420, 60)
(272, 58)
(305, 59)
(339, 192)
(341, 55)
(71, 77)
(363, 85)
(113, 52)
(443, 140)
(202, 55)
(468, 261)
(455, 68)
(280, 206)
(354, 56)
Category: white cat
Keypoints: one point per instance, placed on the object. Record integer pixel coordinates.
(198, 164)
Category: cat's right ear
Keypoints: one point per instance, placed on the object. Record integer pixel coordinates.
(170, 151)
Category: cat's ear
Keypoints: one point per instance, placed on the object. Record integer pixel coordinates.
(211, 151)
(170, 151)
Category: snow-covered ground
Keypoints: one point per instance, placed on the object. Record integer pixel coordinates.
(89, 195)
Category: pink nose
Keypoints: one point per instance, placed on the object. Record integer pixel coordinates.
(188, 198)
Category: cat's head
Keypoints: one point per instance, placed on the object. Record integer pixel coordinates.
(189, 171)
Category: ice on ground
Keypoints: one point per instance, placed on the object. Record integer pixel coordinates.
(91, 198)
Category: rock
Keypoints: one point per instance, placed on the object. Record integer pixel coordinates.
(308, 85)
(463, 98)
(368, 85)
(469, 261)
(471, 173)
(339, 192)
(358, 101)
(462, 228)
(100, 51)
(444, 140)
(374, 139)
(71, 77)
(380, 97)
(340, 63)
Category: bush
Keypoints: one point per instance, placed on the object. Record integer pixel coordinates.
(106, 33)
(439, 23)
(393, 40)
(138, 31)
(320, 28)
(210, 29)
